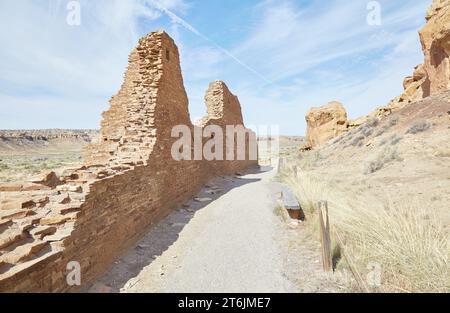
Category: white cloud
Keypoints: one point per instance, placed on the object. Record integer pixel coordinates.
(311, 53)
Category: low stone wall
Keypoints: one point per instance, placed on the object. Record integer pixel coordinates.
(91, 215)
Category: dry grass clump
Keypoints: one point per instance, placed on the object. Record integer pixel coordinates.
(386, 156)
(419, 127)
(407, 241)
(390, 123)
(392, 140)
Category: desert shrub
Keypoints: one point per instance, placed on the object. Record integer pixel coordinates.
(4, 166)
(395, 139)
(358, 140)
(381, 131)
(392, 140)
(367, 131)
(373, 122)
(390, 123)
(393, 121)
(419, 127)
(338, 139)
(386, 156)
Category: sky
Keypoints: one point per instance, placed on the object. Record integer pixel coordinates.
(280, 57)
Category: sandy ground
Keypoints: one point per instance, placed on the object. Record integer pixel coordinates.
(231, 243)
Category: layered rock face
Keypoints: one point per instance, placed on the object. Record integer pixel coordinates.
(433, 76)
(130, 181)
(325, 123)
(429, 78)
(435, 39)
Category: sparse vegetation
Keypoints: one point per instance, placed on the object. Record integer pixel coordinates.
(373, 122)
(419, 127)
(393, 121)
(395, 139)
(308, 159)
(392, 140)
(390, 123)
(386, 156)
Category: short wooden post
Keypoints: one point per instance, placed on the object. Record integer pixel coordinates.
(327, 259)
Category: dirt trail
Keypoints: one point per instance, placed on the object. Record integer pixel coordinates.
(231, 243)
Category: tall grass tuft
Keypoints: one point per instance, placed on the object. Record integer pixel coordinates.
(408, 241)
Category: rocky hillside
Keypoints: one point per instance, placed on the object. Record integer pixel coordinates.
(387, 183)
(428, 79)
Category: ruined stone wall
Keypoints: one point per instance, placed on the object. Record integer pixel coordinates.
(93, 214)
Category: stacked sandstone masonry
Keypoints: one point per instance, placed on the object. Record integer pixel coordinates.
(93, 214)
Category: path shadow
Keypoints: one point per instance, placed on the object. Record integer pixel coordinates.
(163, 235)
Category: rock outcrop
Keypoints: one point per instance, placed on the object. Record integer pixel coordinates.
(433, 76)
(90, 215)
(325, 123)
(429, 78)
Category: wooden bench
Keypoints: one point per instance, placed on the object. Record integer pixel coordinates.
(291, 204)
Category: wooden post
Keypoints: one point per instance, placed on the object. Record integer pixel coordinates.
(327, 259)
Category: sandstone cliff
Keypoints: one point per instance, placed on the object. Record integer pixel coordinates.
(433, 76)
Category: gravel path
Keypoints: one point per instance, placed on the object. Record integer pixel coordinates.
(229, 241)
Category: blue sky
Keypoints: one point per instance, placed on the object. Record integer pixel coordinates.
(280, 57)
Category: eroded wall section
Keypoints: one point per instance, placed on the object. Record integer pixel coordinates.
(91, 215)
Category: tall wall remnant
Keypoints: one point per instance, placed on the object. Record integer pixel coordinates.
(92, 214)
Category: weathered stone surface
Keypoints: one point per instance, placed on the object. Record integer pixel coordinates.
(10, 236)
(222, 105)
(34, 187)
(47, 179)
(69, 188)
(325, 123)
(10, 187)
(42, 231)
(54, 219)
(14, 214)
(23, 253)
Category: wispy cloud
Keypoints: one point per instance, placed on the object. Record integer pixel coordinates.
(280, 57)
(178, 20)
